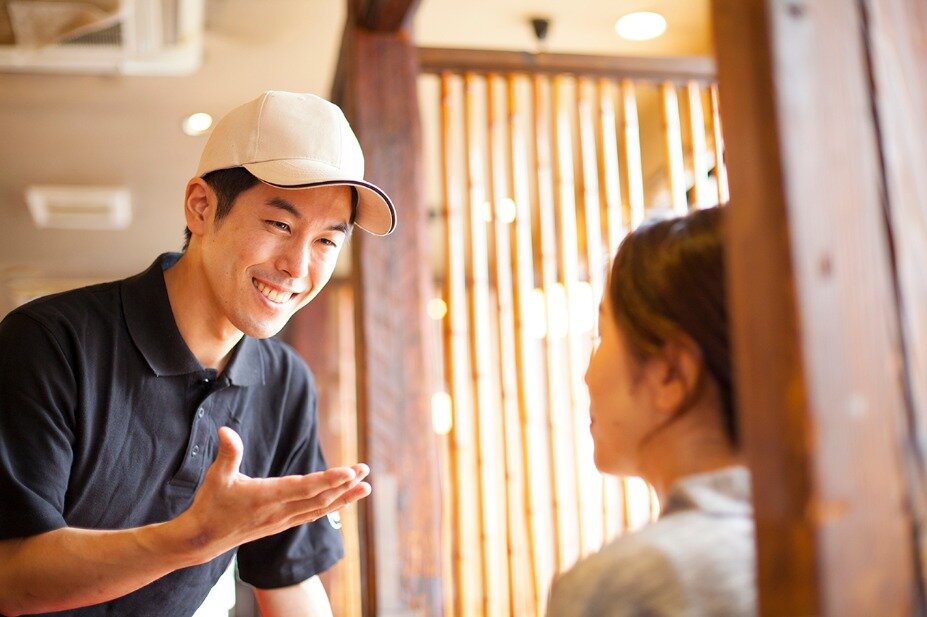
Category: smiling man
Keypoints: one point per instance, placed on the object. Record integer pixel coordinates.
(150, 429)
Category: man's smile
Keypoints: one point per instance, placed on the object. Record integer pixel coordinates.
(277, 296)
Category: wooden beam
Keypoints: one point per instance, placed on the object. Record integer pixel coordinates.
(898, 56)
(814, 318)
(401, 522)
(383, 15)
(435, 60)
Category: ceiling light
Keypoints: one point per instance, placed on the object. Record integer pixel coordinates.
(641, 26)
(197, 124)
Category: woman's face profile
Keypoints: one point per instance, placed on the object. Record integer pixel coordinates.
(620, 409)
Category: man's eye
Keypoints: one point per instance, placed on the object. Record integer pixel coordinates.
(328, 243)
(279, 225)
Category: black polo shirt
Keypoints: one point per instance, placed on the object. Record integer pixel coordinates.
(108, 421)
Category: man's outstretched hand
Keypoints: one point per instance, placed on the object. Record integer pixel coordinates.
(231, 508)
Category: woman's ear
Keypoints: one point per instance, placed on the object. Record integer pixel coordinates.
(197, 201)
(675, 375)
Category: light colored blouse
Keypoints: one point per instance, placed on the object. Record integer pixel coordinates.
(698, 558)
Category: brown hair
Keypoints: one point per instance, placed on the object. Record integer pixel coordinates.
(668, 278)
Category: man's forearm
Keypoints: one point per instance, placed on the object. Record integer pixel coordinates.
(68, 568)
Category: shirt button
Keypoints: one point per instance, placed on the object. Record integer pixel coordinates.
(196, 450)
(200, 412)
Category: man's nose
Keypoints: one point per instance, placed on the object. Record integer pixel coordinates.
(295, 260)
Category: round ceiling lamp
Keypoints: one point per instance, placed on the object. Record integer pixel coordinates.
(641, 26)
(197, 124)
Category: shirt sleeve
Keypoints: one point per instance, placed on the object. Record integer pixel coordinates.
(299, 553)
(37, 395)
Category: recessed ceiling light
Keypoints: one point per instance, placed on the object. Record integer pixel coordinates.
(197, 124)
(641, 26)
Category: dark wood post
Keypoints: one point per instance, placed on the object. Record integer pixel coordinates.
(401, 522)
(819, 351)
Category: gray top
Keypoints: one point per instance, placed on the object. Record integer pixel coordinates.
(697, 559)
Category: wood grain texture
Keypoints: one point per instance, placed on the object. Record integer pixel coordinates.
(897, 48)
(815, 327)
(391, 289)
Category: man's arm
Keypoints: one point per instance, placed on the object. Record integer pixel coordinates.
(68, 567)
(305, 599)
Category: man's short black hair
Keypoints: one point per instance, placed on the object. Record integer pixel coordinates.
(229, 183)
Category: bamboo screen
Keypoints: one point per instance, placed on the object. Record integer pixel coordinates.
(541, 177)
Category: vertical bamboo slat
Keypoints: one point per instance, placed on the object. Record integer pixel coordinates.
(529, 373)
(595, 114)
(557, 390)
(490, 496)
(700, 190)
(517, 557)
(720, 167)
(588, 479)
(632, 153)
(462, 449)
(567, 248)
(672, 132)
(609, 177)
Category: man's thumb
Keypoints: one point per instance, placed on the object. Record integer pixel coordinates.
(230, 450)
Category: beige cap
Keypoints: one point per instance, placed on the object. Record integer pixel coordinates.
(295, 140)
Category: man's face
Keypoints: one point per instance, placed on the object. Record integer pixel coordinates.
(272, 254)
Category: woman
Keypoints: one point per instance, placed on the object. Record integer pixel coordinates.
(662, 408)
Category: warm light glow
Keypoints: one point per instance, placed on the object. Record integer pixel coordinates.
(487, 211)
(641, 501)
(558, 315)
(641, 26)
(584, 308)
(197, 124)
(436, 308)
(536, 317)
(442, 415)
(505, 210)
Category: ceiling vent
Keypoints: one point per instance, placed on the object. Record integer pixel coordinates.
(130, 37)
(79, 207)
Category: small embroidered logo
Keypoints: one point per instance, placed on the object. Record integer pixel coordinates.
(334, 519)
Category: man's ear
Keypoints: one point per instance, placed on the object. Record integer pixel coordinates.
(198, 201)
(675, 375)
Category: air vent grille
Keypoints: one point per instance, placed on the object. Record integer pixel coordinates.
(79, 207)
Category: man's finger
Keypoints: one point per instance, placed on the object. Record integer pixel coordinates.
(334, 499)
(228, 458)
(299, 488)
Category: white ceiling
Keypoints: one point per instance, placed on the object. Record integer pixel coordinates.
(120, 130)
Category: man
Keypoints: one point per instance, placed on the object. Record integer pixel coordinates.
(114, 398)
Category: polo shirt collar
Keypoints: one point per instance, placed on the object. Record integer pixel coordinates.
(150, 320)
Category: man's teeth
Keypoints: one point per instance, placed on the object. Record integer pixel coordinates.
(272, 294)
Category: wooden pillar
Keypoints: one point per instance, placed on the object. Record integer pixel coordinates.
(819, 348)
(401, 522)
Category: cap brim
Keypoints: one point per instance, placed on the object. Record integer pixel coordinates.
(375, 211)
